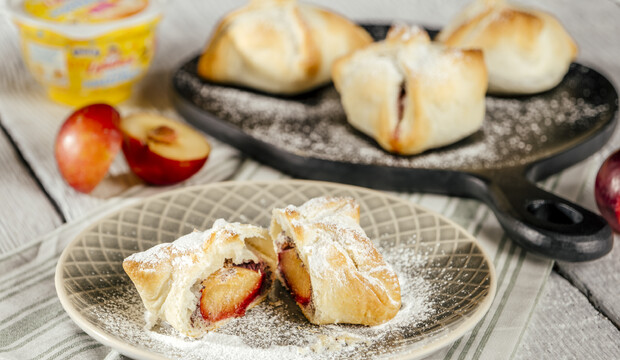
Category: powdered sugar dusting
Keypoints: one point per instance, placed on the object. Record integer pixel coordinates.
(515, 131)
(446, 285)
(331, 231)
(182, 248)
(276, 328)
(152, 256)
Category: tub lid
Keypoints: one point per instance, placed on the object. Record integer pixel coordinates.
(84, 18)
(83, 11)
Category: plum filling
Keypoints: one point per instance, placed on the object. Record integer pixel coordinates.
(294, 273)
(400, 107)
(230, 290)
(263, 269)
(402, 95)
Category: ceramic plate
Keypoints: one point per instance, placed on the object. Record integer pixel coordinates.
(447, 281)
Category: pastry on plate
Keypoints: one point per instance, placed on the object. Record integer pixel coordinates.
(411, 94)
(330, 266)
(202, 279)
(278, 46)
(526, 50)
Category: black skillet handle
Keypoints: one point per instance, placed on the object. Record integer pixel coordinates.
(544, 223)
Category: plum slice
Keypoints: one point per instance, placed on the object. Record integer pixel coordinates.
(228, 292)
(295, 275)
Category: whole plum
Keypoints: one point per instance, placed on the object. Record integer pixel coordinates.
(607, 190)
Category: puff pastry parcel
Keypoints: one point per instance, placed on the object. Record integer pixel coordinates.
(526, 50)
(204, 278)
(330, 266)
(412, 95)
(278, 46)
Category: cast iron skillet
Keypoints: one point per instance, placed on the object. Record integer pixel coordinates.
(523, 140)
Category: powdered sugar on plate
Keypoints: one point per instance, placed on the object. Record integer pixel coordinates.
(447, 282)
(276, 328)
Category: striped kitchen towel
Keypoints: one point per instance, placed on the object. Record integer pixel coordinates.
(34, 325)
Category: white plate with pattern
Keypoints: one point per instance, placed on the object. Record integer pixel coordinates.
(447, 280)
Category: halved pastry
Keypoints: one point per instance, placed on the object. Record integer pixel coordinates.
(330, 266)
(278, 46)
(412, 95)
(204, 278)
(526, 50)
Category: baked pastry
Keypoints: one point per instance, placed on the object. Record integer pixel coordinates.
(202, 279)
(330, 266)
(412, 95)
(278, 46)
(526, 51)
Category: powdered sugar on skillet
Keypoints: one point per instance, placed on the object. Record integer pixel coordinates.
(515, 131)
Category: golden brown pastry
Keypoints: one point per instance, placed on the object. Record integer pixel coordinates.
(526, 50)
(412, 95)
(202, 279)
(330, 266)
(278, 46)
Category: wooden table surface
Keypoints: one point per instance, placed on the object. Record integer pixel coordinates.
(578, 314)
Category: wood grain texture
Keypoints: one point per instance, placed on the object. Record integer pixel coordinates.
(557, 331)
(599, 281)
(26, 212)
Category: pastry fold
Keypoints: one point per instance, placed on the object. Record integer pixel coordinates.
(278, 46)
(410, 94)
(526, 50)
(169, 277)
(349, 280)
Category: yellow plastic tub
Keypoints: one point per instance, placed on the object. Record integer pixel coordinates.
(87, 51)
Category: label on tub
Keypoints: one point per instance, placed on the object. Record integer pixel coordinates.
(111, 70)
(48, 63)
